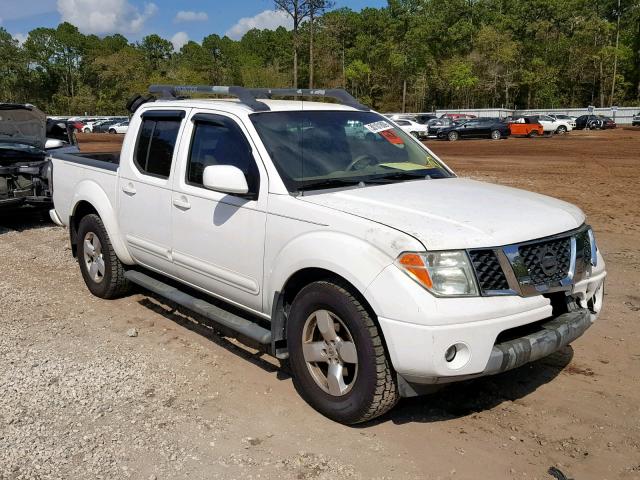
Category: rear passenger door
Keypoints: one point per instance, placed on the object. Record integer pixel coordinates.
(218, 238)
(144, 189)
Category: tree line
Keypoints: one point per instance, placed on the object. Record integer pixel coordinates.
(411, 54)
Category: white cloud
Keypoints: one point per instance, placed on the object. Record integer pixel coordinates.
(20, 37)
(105, 16)
(190, 16)
(179, 40)
(269, 19)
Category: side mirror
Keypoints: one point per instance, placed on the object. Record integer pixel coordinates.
(52, 143)
(225, 179)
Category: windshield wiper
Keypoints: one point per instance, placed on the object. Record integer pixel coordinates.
(390, 177)
(327, 183)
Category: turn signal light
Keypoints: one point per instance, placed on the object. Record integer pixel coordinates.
(414, 264)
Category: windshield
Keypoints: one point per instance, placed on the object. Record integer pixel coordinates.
(328, 149)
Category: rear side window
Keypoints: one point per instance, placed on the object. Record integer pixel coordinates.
(156, 143)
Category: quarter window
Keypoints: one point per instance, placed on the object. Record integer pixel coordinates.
(156, 144)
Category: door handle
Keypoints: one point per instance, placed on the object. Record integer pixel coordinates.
(182, 203)
(129, 189)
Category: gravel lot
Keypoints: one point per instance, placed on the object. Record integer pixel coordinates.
(135, 389)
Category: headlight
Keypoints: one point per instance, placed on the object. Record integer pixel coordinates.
(442, 273)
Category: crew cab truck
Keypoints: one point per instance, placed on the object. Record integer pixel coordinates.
(359, 256)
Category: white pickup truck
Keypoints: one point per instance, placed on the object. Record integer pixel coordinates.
(332, 238)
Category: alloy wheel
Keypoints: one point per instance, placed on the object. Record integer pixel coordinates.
(93, 257)
(330, 353)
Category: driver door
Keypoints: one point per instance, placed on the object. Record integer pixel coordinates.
(218, 238)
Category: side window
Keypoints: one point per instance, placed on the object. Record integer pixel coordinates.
(156, 142)
(219, 141)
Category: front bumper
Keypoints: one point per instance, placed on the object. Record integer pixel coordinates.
(418, 343)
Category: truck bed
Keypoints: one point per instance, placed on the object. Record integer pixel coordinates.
(107, 160)
(82, 173)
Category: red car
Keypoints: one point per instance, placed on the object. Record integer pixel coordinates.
(75, 126)
(458, 116)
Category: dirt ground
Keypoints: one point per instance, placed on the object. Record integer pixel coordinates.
(80, 398)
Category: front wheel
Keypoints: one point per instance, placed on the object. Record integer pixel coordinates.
(533, 133)
(102, 271)
(339, 363)
(561, 130)
(453, 136)
(112, 131)
(496, 135)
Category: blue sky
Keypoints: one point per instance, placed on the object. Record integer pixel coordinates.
(177, 20)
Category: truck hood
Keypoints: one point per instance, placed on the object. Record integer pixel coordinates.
(456, 213)
(22, 125)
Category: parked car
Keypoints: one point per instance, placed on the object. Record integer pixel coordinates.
(90, 125)
(525, 126)
(103, 127)
(594, 122)
(363, 260)
(26, 137)
(635, 121)
(423, 118)
(458, 116)
(569, 118)
(436, 124)
(552, 125)
(75, 125)
(121, 127)
(476, 128)
(414, 128)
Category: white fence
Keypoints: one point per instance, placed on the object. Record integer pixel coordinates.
(623, 115)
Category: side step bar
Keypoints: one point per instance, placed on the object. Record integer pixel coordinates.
(226, 319)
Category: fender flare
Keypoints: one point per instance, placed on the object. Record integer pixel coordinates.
(347, 254)
(90, 192)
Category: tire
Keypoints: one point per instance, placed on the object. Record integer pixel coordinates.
(496, 135)
(533, 133)
(94, 248)
(112, 131)
(561, 130)
(366, 385)
(453, 136)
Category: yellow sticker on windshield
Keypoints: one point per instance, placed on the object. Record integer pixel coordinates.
(408, 166)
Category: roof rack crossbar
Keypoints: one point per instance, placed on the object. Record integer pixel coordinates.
(249, 96)
(339, 94)
(173, 91)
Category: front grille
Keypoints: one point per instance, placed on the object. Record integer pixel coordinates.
(488, 270)
(547, 262)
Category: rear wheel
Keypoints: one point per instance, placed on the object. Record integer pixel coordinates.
(112, 131)
(453, 136)
(496, 135)
(533, 133)
(337, 357)
(102, 271)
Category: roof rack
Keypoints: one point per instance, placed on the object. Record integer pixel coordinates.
(250, 96)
